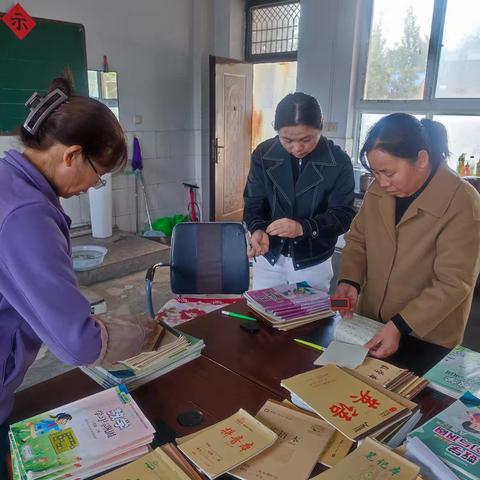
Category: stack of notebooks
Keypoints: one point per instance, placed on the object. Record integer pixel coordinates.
(281, 442)
(372, 460)
(172, 350)
(457, 373)
(397, 380)
(354, 405)
(164, 463)
(290, 305)
(81, 439)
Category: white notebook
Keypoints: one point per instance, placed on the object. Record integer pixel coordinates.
(357, 330)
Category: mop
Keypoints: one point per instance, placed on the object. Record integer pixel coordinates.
(137, 167)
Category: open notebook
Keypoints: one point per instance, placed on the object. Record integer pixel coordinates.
(357, 330)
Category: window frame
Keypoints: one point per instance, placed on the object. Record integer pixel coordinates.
(429, 105)
(109, 102)
(264, 57)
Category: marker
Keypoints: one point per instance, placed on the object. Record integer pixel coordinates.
(308, 344)
(238, 315)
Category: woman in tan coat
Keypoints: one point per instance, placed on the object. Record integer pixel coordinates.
(412, 254)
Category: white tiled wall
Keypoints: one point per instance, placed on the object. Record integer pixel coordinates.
(169, 158)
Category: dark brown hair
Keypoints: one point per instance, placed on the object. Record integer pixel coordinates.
(402, 135)
(81, 121)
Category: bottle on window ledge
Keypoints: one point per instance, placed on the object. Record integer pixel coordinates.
(461, 165)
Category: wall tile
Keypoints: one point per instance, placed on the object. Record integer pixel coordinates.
(162, 140)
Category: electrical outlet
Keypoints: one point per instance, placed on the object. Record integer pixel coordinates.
(138, 119)
(331, 126)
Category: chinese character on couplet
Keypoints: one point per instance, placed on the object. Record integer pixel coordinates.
(236, 439)
(395, 471)
(246, 446)
(365, 397)
(343, 411)
(19, 21)
(227, 431)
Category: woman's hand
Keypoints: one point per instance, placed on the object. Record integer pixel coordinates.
(385, 342)
(345, 290)
(259, 244)
(285, 228)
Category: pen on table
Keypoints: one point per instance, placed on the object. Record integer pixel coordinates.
(238, 315)
(309, 344)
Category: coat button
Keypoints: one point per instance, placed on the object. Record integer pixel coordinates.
(298, 264)
(295, 242)
(314, 233)
(281, 241)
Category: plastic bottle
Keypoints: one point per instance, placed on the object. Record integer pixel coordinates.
(477, 168)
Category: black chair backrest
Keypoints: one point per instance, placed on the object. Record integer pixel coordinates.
(209, 258)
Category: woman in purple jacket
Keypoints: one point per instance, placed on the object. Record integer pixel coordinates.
(70, 141)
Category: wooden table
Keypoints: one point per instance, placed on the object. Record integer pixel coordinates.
(269, 356)
(199, 385)
(237, 370)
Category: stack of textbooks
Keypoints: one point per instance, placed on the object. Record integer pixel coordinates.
(290, 305)
(81, 439)
(354, 405)
(454, 436)
(456, 373)
(174, 349)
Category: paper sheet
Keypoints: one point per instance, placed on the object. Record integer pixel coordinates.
(342, 354)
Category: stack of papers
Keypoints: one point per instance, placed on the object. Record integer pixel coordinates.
(456, 373)
(290, 305)
(81, 439)
(175, 349)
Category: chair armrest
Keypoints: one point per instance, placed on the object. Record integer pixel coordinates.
(149, 276)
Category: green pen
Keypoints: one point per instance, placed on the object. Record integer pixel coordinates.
(238, 315)
(308, 344)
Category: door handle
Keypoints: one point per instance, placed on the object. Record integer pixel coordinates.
(216, 149)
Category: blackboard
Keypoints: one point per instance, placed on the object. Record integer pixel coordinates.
(29, 65)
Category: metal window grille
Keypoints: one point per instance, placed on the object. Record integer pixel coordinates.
(272, 31)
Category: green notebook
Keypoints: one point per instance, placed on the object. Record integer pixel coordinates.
(456, 373)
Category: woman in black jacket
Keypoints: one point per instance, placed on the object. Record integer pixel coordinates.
(298, 198)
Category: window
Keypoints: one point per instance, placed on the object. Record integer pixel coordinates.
(422, 57)
(103, 87)
(272, 30)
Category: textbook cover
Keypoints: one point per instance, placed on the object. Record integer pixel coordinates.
(456, 373)
(92, 432)
(454, 436)
(349, 404)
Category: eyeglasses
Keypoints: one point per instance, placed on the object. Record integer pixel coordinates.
(101, 182)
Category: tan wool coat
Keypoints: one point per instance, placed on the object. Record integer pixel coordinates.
(424, 268)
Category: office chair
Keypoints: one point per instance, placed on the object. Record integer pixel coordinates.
(205, 258)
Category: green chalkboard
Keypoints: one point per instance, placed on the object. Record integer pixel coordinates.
(29, 65)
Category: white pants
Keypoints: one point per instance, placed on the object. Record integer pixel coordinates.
(266, 275)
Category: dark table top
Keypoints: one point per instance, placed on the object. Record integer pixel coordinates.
(269, 356)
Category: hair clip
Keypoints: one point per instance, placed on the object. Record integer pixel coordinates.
(41, 107)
